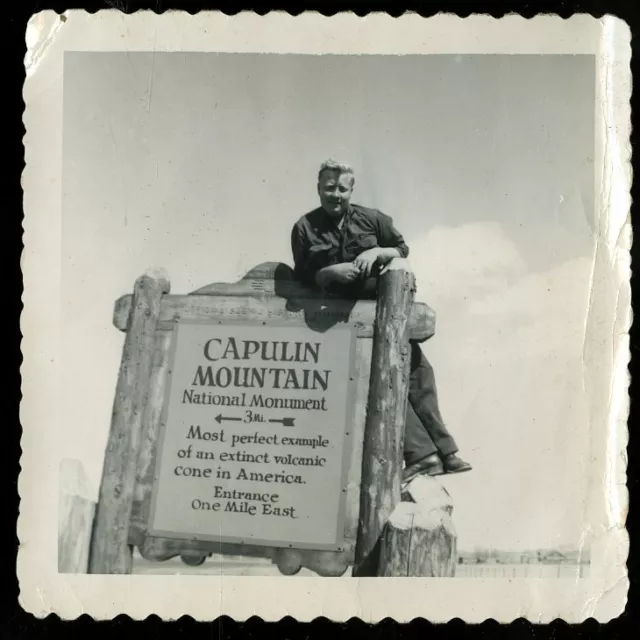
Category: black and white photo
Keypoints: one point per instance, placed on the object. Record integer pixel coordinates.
(318, 310)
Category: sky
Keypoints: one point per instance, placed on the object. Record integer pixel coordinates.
(200, 163)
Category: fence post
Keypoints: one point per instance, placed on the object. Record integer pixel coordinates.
(384, 430)
(110, 550)
(76, 509)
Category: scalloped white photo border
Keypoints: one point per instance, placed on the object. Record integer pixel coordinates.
(606, 354)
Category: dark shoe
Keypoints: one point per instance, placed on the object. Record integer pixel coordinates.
(430, 466)
(453, 464)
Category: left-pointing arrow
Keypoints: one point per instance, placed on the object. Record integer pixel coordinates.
(220, 418)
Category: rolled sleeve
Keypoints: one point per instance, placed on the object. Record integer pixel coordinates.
(390, 237)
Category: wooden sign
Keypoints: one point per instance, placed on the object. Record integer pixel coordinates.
(255, 435)
(156, 493)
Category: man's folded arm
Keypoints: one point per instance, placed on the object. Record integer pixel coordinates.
(390, 240)
(386, 254)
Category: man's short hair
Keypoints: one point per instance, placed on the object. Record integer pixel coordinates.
(339, 167)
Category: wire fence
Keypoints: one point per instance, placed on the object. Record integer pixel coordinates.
(561, 570)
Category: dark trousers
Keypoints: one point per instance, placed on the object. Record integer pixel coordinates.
(425, 432)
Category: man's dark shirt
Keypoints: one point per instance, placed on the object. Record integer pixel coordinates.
(317, 242)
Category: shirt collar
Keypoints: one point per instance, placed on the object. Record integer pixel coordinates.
(343, 221)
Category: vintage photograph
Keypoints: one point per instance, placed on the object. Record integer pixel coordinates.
(331, 315)
(477, 169)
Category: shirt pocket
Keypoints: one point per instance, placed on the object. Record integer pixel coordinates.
(366, 240)
(320, 255)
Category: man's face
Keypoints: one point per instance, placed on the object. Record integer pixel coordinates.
(335, 190)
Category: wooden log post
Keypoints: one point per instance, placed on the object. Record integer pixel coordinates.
(76, 509)
(387, 405)
(419, 538)
(110, 549)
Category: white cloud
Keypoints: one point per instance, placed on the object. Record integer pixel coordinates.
(507, 355)
(458, 262)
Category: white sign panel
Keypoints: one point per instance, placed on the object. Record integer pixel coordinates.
(254, 441)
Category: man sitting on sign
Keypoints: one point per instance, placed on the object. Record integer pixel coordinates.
(342, 247)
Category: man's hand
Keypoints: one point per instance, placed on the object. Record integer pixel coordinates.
(343, 273)
(366, 261)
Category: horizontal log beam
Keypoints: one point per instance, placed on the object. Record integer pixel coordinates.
(329, 564)
(159, 549)
(289, 561)
(317, 314)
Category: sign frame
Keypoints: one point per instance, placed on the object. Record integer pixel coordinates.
(340, 544)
